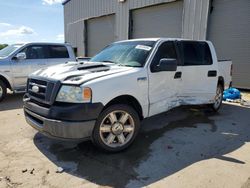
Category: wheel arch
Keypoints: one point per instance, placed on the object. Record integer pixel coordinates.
(128, 100)
(221, 81)
(5, 81)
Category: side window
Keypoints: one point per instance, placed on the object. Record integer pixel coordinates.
(195, 53)
(35, 52)
(166, 50)
(57, 51)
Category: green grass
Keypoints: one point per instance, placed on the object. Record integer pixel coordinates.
(3, 46)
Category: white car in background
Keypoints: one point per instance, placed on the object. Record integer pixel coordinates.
(17, 61)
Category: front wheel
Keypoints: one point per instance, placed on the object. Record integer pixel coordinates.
(218, 98)
(116, 128)
(3, 90)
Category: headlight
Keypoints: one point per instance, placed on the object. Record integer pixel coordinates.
(74, 94)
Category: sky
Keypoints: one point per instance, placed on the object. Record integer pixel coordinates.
(31, 20)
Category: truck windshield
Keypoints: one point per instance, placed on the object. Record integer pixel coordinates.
(132, 53)
(5, 52)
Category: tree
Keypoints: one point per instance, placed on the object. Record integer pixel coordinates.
(3, 46)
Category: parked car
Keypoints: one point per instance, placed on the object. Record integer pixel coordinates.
(17, 61)
(106, 98)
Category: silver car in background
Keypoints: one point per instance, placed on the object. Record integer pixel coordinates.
(17, 61)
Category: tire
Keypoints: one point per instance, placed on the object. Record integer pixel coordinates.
(116, 128)
(218, 98)
(3, 90)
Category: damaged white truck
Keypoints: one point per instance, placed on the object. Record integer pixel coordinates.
(106, 98)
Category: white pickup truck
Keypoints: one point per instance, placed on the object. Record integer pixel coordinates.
(106, 98)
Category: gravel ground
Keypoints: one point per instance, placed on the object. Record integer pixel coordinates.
(185, 147)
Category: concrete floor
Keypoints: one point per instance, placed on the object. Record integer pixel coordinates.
(185, 147)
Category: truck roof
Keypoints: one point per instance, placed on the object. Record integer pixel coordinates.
(156, 39)
(44, 43)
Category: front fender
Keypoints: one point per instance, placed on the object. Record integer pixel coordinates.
(5, 71)
(108, 88)
(7, 78)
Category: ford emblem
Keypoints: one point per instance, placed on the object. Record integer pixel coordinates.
(35, 89)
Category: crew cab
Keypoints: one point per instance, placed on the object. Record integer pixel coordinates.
(106, 98)
(17, 61)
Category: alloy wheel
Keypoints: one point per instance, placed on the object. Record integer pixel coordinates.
(218, 97)
(1, 92)
(117, 129)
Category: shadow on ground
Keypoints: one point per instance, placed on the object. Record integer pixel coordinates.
(166, 144)
(12, 101)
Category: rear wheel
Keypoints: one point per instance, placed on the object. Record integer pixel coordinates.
(218, 98)
(116, 128)
(3, 90)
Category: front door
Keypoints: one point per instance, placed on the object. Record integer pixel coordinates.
(164, 86)
(36, 58)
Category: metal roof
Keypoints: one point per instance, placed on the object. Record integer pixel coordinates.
(65, 2)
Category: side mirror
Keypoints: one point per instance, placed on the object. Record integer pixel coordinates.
(20, 56)
(166, 64)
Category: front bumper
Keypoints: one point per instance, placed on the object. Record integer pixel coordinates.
(63, 122)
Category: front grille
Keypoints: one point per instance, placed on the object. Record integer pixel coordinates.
(42, 91)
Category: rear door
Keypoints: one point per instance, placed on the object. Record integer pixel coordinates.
(57, 54)
(36, 58)
(199, 73)
(164, 86)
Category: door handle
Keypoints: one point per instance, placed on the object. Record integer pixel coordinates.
(141, 79)
(212, 73)
(177, 75)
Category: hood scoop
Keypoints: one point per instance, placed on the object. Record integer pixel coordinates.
(87, 69)
(94, 66)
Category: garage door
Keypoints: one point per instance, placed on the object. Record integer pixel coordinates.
(157, 21)
(229, 30)
(99, 33)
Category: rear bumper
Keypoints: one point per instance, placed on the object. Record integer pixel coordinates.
(70, 122)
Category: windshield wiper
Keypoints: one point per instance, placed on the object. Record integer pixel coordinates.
(108, 61)
(120, 64)
(125, 65)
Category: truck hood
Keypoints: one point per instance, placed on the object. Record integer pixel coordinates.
(79, 73)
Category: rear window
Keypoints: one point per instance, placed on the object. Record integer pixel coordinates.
(57, 51)
(195, 53)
